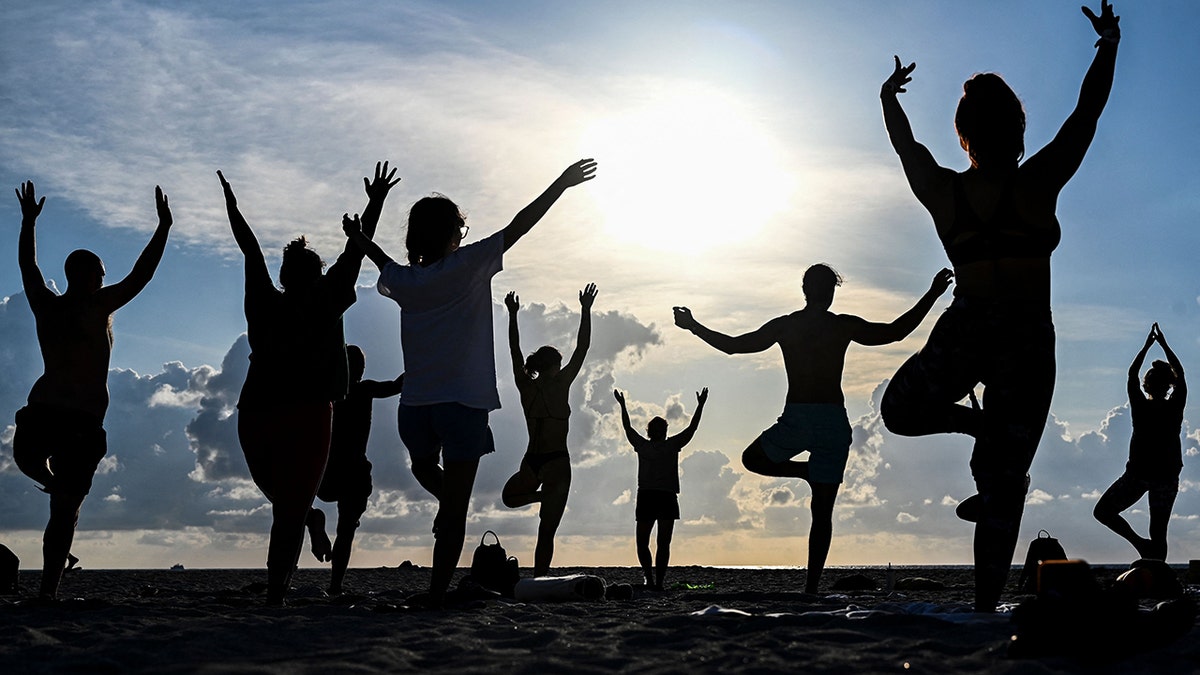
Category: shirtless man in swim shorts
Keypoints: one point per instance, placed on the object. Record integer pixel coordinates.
(814, 342)
(60, 436)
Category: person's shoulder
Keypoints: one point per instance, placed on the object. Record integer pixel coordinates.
(493, 244)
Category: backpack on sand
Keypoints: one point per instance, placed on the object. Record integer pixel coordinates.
(1041, 549)
(493, 568)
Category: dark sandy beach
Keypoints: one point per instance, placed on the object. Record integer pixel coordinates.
(216, 621)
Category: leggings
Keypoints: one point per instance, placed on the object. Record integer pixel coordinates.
(1007, 347)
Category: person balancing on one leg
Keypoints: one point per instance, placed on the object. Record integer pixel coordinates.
(60, 437)
(1155, 453)
(347, 478)
(814, 342)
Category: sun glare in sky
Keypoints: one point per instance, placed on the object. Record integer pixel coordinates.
(688, 172)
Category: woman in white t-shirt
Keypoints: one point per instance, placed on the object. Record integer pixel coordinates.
(445, 299)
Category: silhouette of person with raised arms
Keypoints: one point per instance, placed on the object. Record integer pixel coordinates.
(347, 477)
(814, 342)
(444, 293)
(658, 486)
(544, 384)
(1155, 452)
(60, 437)
(997, 223)
(298, 369)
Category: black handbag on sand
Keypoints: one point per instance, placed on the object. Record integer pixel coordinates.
(1041, 549)
(493, 568)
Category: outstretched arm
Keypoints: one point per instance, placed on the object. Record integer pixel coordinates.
(1133, 382)
(348, 264)
(1060, 159)
(31, 275)
(1179, 394)
(586, 297)
(579, 172)
(381, 389)
(920, 168)
(632, 436)
(684, 437)
(352, 227)
(513, 303)
(117, 295)
(747, 343)
(256, 264)
(868, 333)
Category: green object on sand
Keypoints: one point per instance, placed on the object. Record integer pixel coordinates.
(695, 587)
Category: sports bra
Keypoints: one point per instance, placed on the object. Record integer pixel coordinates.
(1005, 235)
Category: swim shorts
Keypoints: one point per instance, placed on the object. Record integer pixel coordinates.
(820, 428)
(656, 505)
(72, 442)
(456, 432)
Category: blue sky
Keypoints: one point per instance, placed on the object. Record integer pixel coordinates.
(738, 143)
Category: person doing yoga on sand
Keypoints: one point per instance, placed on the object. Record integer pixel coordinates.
(445, 298)
(997, 223)
(657, 486)
(545, 384)
(60, 438)
(1155, 451)
(347, 478)
(814, 342)
(297, 371)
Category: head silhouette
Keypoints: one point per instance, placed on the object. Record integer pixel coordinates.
(1158, 379)
(545, 361)
(301, 266)
(84, 271)
(990, 122)
(657, 429)
(819, 282)
(357, 361)
(434, 229)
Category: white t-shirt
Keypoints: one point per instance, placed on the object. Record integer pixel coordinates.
(446, 325)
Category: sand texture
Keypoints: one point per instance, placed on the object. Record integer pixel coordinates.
(214, 621)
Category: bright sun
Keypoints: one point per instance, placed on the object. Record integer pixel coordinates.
(689, 173)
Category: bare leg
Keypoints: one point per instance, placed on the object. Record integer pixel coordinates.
(553, 507)
(756, 460)
(995, 540)
(321, 546)
(820, 533)
(56, 543)
(429, 475)
(1118, 497)
(1161, 503)
(522, 488)
(644, 528)
(349, 513)
(451, 520)
(662, 557)
(287, 540)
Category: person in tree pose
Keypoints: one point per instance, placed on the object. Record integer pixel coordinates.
(814, 342)
(298, 370)
(997, 223)
(544, 384)
(347, 478)
(444, 293)
(1155, 453)
(60, 436)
